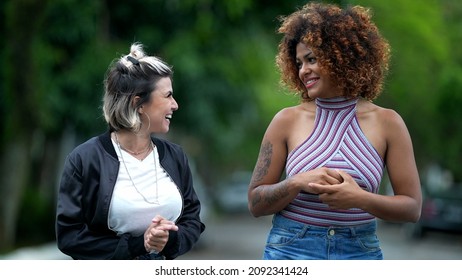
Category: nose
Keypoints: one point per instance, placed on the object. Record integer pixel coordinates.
(174, 104)
(304, 70)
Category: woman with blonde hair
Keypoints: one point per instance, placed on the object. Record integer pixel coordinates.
(126, 194)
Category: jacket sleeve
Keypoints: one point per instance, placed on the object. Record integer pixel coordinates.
(189, 224)
(81, 227)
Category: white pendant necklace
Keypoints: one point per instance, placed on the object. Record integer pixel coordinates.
(156, 201)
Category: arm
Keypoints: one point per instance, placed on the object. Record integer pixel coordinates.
(406, 203)
(267, 195)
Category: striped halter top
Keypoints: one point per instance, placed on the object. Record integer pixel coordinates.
(336, 142)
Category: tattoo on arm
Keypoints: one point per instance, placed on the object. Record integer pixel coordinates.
(263, 163)
(257, 197)
(271, 195)
(261, 169)
(279, 192)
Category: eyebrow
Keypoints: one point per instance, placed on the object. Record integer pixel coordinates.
(305, 56)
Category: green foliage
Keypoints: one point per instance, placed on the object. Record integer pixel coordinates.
(36, 219)
(72, 57)
(449, 104)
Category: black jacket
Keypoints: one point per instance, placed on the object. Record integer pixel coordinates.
(85, 192)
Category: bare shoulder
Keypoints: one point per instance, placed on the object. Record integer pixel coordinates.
(385, 116)
(288, 113)
(392, 126)
(286, 117)
(382, 126)
(390, 118)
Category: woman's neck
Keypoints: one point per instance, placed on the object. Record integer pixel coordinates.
(133, 143)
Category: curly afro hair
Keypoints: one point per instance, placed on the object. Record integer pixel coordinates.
(346, 43)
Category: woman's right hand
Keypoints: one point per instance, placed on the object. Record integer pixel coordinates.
(156, 236)
(322, 176)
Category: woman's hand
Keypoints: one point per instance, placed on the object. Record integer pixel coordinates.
(317, 177)
(156, 236)
(343, 195)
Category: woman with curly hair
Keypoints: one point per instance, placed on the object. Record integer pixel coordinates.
(334, 146)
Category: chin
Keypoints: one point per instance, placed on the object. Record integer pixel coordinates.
(312, 95)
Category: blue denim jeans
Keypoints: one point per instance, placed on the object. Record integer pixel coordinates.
(291, 240)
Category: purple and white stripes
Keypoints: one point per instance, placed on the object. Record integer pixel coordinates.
(336, 142)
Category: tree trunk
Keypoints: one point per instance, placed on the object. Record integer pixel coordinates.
(19, 108)
(14, 165)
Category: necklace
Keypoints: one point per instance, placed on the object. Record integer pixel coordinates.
(130, 177)
(134, 153)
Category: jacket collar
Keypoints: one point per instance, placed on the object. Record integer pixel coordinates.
(105, 140)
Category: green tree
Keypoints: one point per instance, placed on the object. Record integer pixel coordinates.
(49, 68)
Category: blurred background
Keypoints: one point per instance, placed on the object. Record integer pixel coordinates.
(54, 55)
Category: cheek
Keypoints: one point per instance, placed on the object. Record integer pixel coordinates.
(157, 105)
(300, 73)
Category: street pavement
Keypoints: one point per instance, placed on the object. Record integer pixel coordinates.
(242, 237)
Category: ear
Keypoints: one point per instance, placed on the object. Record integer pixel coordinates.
(134, 102)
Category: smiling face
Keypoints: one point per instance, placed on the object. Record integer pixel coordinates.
(157, 113)
(317, 83)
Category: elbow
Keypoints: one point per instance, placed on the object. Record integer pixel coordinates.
(252, 206)
(254, 211)
(256, 205)
(256, 214)
(412, 210)
(416, 216)
(417, 211)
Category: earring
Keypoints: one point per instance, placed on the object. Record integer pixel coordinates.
(149, 120)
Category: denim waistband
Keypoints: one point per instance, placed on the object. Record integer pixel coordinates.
(283, 222)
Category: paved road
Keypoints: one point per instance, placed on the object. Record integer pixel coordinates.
(433, 246)
(242, 237)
